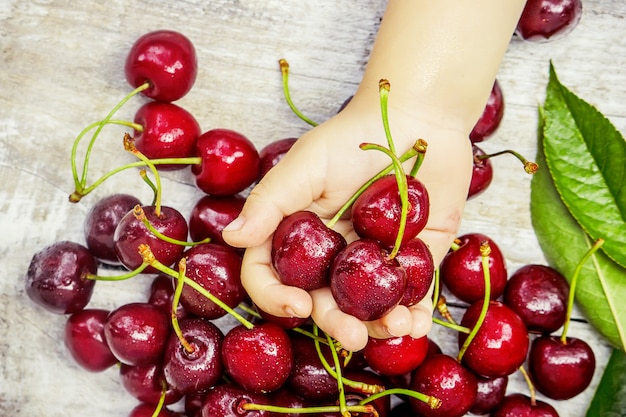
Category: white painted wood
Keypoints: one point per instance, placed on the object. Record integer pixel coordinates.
(61, 67)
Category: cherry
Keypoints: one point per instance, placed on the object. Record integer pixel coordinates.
(273, 152)
(85, 340)
(443, 377)
(538, 294)
(284, 397)
(491, 117)
(258, 359)
(227, 400)
(395, 355)
(365, 282)
(147, 410)
(168, 131)
(199, 369)
(561, 370)
(500, 346)
(482, 173)
(211, 214)
(136, 333)
(462, 273)
(490, 393)
(166, 60)
(145, 383)
(548, 20)
(216, 268)
(132, 232)
(100, 223)
(303, 248)
(416, 259)
(376, 212)
(162, 293)
(230, 162)
(518, 405)
(57, 277)
(193, 403)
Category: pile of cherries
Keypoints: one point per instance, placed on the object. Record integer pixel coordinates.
(172, 355)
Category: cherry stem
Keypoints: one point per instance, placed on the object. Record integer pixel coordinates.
(442, 307)
(436, 286)
(455, 245)
(453, 326)
(180, 283)
(161, 402)
(284, 70)
(529, 166)
(144, 176)
(572, 286)
(405, 157)
(140, 215)
(100, 125)
(149, 258)
(78, 194)
(357, 409)
(420, 146)
(433, 402)
(343, 406)
(531, 386)
(403, 189)
(123, 277)
(383, 89)
(485, 251)
(129, 145)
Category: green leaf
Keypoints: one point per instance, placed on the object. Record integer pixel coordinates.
(601, 287)
(586, 157)
(610, 397)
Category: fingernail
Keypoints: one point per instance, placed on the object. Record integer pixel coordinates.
(290, 313)
(235, 225)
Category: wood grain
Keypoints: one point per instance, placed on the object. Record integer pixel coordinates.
(61, 68)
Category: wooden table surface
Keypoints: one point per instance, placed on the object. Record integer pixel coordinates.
(61, 68)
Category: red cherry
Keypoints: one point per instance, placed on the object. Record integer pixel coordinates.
(147, 410)
(211, 214)
(491, 392)
(516, 405)
(547, 20)
(491, 117)
(56, 277)
(169, 131)
(85, 340)
(482, 173)
(417, 260)
(226, 400)
(395, 355)
(167, 60)
(145, 383)
(500, 346)
(230, 162)
(273, 152)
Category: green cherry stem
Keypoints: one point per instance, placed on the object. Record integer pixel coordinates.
(442, 308)
(129, 145)
(529, 166)
(144, 176)
(356, 409)
(453, 326)
(403, 189)
(405, 157)
(284, 70)
(383, 89)
(421, 145)
(140, 215)
(485, 251)
(433, 402)
(436, 287)
(343, 405)
(572, 286)
(161, 402)
(531, 386)
(123, 277)
(100, 125)
(180, 283)
(148, 258)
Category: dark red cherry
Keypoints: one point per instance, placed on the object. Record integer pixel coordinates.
(169, 131)
(516, 405)
(85, 340)
(273, 152)
(538, 294)
(462, 271)
(548, 20)
(211, 214)
(131, 233)
(561, 370)
(258, 359)
(376, 213)
(198, 369)
(227, 400)
(482, 173)
(162, 293)
(284, 397)
(491, 392)
(147, 410)
(145, 383)
(415, 257)
(444, 378)
(167, 60)
(500, 346)
(303, 248)
(230, 162)
(491, 117)
(217, 269)
(137, 332)
(100, 223)
(56, 278)
(395, 355)
(364, 282)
